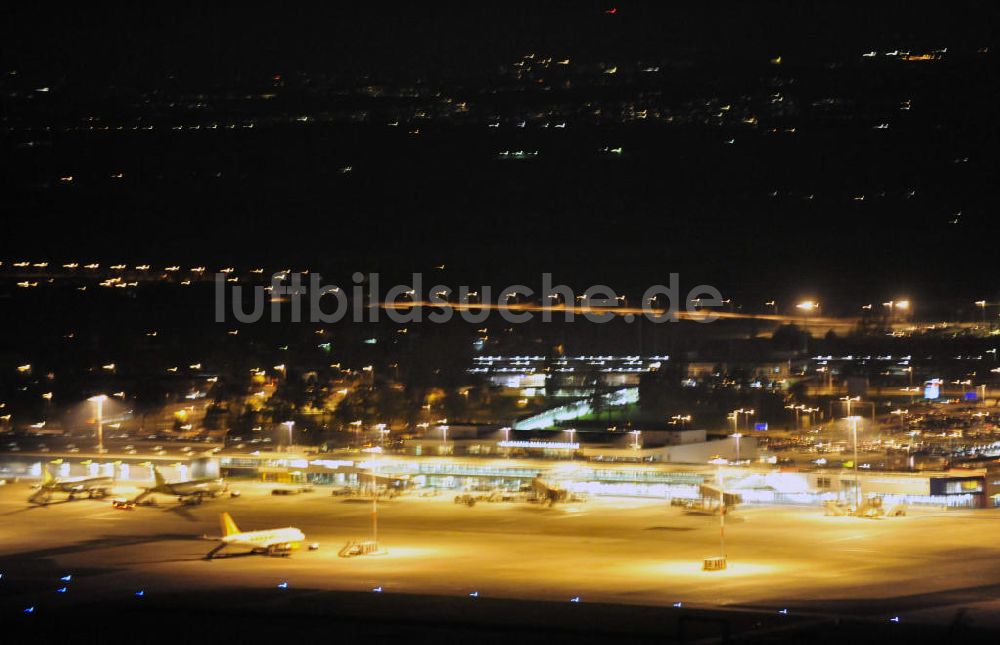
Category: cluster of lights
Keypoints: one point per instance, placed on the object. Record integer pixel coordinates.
(554, 445)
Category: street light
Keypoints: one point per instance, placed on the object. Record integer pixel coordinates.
(797, 409)
(735, 418)
(636, 434)
(506, 440)
(374, 509)
(894, 306)
(807, 307)
(289, 425)
(722, 514)
(382, 432)
(737, 436)
(98, 402)
(982, 306)
(849, 399)
(857, 486)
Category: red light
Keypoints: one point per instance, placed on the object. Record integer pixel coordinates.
(612, 11)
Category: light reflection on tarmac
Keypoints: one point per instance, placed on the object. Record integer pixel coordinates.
(922, 566)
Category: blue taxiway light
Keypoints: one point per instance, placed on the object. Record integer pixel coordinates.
(62, 589)
(474, 594)
(140, 593)
(67, 578)
(29, 610)
(378, 589)
(782, 611)
(282, 585)
(575, 599)
(894, 619)
(678, 605)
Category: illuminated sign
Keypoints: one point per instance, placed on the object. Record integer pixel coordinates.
(932, 389)
(557, 445)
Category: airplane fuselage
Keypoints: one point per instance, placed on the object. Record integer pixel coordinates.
(200, 487)
(272, 541)
(92, 486)
(79, 484)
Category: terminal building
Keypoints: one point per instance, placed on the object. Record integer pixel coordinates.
(624, 446)
(756, 483)
(604, 475)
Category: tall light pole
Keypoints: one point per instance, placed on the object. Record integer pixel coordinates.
(722, 515)
(737, 436)
(811, 412)
(682, 419)
(982, 306)
(289, 425)
(98, 402)
(857, 485)
(849, 399)
(374, 508)
(807, 307)
(796, 409)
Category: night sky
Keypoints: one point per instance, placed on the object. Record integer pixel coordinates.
(679, 201)
(129, 43)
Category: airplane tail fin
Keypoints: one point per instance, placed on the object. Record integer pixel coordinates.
(46, 475)
(228, 525)
(160, 481)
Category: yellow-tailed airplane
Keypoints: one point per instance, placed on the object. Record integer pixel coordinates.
(269, 541)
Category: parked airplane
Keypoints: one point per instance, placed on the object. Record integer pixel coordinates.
(269, 541)
(91, 486)
(192, 491)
